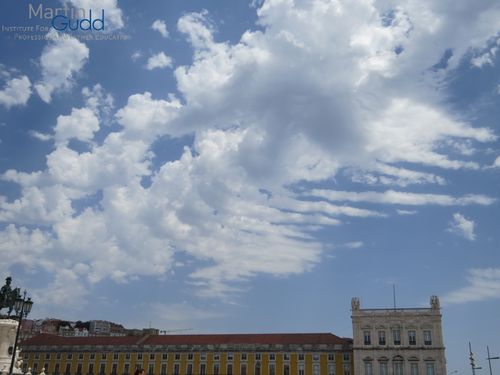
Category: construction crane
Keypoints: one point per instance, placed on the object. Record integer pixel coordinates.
(164, 332)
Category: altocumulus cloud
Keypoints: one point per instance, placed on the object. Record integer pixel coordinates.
(307, 112)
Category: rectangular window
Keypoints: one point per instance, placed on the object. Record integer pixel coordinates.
(139, 356)
(126, 369)
(203, 369)
(163, 370)
(301, 357)
(25, 356)
(315, 357)
(383, 368)
(272, 369)
(316, 370)
(35, 367)
(257, 369)
(203, 356)
(37, 355)
(286, 356)
(92, 356)
(347, 369)
(257, 356)
(151, 369)
(102, 369)
(331, 369)
(368, 368)
(216, 369)
(429, 368)
(427, 337)
(189, 370)
(91, 368)
(114, 369)
(398, 368)
(190, 356)
(229, 369)
(47, 355)
(301, 369)
(230, 356)
(396, 337)
(176, 369)
(412, 338)
(243, 356)
(127, 356)
(46, 367)
(216, 356)
(367, 337)
(164, 356)
(58, 355)
(104, 356)
(286, 369)
(79, 368)
(272, 357)
(346, 357)
(331, 357)
(414, 368)
(152, 357)
(243, 369)
(69, 356)
(115, 357)
(56, 369)
(68, 368)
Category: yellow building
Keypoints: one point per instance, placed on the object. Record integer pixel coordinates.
(235, 354)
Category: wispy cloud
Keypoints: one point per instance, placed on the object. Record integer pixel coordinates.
(403, 198)
(40, 136)
(185, 313)
(484, 284)
(462, 227)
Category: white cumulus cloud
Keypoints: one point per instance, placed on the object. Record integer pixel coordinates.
(16, 92)
(62, 58)
(113, 15)
(81, 124)
(161, 27)
(159, 61)
(277, 109)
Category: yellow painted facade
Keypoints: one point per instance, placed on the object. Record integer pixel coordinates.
(182, 360)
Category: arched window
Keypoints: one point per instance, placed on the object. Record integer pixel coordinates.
(397, 365)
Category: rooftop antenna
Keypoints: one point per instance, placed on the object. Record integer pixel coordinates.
(394, 295)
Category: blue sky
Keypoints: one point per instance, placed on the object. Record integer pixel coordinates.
(232, 166)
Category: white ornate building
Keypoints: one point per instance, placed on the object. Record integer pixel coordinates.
(398, 341)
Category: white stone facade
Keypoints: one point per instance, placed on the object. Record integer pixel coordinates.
(8, 328)
(398, 341)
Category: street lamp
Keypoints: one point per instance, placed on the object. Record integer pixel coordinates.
(473, 361)
(22, 306)
(490, 358)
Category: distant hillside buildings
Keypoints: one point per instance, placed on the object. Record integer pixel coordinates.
(30, 328)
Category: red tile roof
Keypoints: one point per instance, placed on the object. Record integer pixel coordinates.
(207, 339)
(46, 339)
(269, 338)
